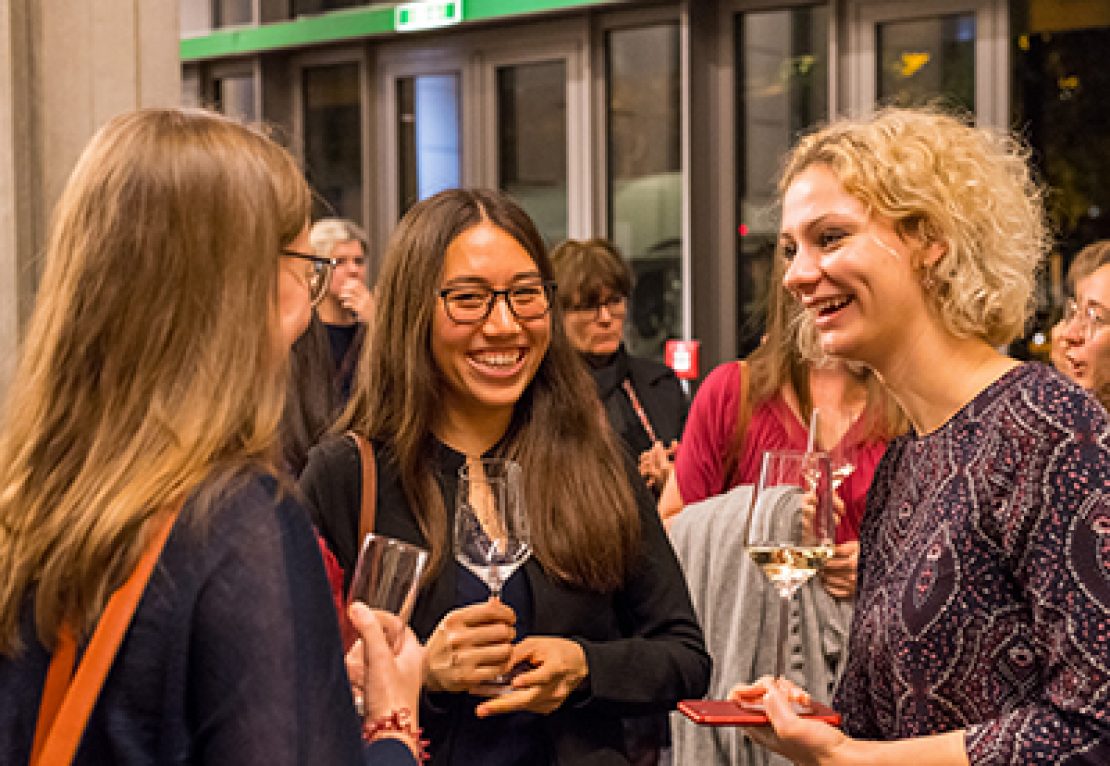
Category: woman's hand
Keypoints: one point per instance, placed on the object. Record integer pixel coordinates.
(558, 667)
(385, 665)
(356, 297)
(656, 463)
(471, 645)
(839, 573)
(802, 740)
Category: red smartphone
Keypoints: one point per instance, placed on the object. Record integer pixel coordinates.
(729, 713)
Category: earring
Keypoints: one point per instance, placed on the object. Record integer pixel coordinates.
(928, 283)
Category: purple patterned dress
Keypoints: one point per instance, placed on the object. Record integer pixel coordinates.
(984, 597)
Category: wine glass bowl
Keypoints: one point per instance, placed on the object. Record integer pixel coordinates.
(491, 528)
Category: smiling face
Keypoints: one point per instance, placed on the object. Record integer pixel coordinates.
(1087, 334)
(850, 269)
(487, 365)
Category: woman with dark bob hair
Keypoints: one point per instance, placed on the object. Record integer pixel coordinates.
(980, 629)
(469, 359)
(140, 436)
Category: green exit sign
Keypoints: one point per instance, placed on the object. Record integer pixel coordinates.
(412, 17)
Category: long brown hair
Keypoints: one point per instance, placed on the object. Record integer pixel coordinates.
(579, 499)
(152, 358)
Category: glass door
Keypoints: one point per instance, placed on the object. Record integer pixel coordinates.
(534, 145)
(951, 52)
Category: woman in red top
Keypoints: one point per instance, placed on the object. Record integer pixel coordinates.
(724, 440)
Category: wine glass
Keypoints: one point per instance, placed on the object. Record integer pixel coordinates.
(791, 526)
(491, 529)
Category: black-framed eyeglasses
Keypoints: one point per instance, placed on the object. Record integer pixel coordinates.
(320, 275)
(1091, 319)
(616, 305)
(470, 304)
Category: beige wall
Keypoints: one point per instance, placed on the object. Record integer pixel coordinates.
(66, 66)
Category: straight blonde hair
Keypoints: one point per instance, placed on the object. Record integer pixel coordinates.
(152, 359)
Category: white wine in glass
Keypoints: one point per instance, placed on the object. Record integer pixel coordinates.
(791, 528)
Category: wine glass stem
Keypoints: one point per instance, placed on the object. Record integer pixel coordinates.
(495, 583)
(780, 643)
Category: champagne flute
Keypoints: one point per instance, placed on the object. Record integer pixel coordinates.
(791, 526)
(491, 527)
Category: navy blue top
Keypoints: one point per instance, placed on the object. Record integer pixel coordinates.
(233, 656)
(984, 580)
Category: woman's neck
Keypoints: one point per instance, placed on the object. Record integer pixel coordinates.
(840, 396)
(939, 375)
(472, 434)
(331, 311)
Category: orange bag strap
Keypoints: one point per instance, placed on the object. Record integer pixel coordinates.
(368, 509)
(68, 698)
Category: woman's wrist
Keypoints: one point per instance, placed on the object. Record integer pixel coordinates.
(401, 724)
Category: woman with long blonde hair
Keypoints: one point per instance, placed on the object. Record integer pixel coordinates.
(177, 273)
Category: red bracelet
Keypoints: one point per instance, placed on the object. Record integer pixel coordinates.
(400, 721)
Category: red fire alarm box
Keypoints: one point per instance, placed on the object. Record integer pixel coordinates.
(682, 357)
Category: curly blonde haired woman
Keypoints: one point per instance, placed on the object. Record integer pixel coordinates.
(979, 634)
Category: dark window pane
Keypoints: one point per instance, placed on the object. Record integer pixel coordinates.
(226, 13)
(782, 90)
(532, 142)
(333, 138)
(922, 59)
(645, 178)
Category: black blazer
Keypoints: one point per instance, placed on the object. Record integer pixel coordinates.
(658, 390)
(643, 645)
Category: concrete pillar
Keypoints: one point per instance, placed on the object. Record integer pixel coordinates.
(66, 66)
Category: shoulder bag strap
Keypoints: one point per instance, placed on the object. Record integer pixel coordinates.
(368, 509)
(67, 704)
(743, 415)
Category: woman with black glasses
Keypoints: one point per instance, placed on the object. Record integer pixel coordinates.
(642, 398)
(469, 359)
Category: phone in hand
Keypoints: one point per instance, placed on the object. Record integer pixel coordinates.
(731, 713)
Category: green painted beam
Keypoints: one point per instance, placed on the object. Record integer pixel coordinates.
(348, 24)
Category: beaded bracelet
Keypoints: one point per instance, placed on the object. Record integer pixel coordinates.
(400, 721)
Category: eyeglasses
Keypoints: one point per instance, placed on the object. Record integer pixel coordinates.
(616, 305)
(1091, 319)
(471, 304)
(320, 275)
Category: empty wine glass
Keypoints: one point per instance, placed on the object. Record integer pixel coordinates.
(791, 526)
(491, 529)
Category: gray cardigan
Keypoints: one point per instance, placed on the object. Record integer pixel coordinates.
(738, 611)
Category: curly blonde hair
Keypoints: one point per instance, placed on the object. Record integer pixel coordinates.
(940, 179)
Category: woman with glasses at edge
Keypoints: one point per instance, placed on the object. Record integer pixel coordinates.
(177, 274)
(469, 359)
(979, 633)
(1083, 329)
(643, 399)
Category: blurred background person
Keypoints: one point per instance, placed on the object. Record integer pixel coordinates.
(643, 399)
(1086, 318)
(469, 359)
(145, 410)
(348, 305)
(914, 240)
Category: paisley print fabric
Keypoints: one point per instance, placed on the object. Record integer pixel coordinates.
(984, 597)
